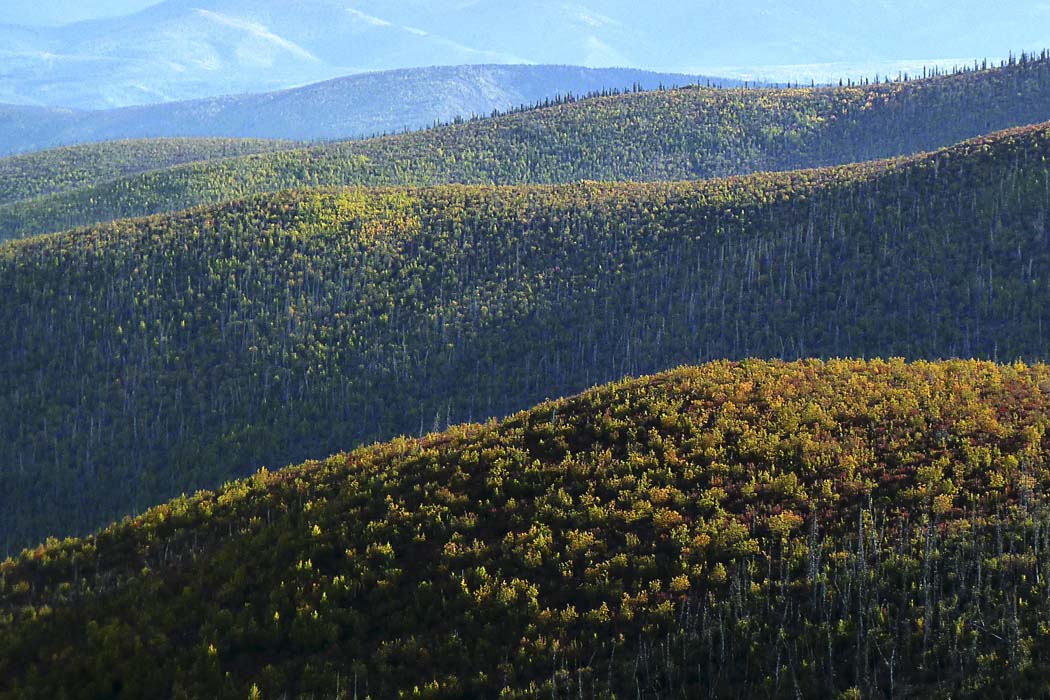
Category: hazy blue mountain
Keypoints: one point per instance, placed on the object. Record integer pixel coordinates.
(359, 105)
(58, 12)
(185, 49)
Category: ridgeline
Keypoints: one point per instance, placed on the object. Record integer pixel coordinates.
(684, 134)
(149, 357)
(843, 530)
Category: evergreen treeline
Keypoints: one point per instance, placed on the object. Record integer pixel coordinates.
(842, 530)
(681, 134)
(144, 358)
(356, 106)
(72, 168)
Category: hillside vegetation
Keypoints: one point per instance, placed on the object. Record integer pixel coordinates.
(350, 107)
(65, 169)
(842, 530)
(691, 133)
(144, 358)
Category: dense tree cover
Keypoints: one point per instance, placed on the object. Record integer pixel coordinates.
(75, 167)
(663, 135)
(144, 358)
(849, 529)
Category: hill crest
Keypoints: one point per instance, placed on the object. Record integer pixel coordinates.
(685, 134)
(747, 506)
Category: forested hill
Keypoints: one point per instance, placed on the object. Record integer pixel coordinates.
(64, 169)
(839, 530)
(144, 358)
(690, 133)
(352, 107)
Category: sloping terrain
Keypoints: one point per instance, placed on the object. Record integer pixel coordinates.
(357, 106)
(72, 168)
(849, 529)
(662, 135)
(147, 357)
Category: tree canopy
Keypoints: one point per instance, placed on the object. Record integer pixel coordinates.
(756, 529)
(146, 358)
(684, 134)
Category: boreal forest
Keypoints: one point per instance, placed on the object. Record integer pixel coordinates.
(713, 390)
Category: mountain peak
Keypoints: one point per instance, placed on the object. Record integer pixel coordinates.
(154, 54)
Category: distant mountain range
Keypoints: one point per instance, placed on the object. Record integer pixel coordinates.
(187, 49)
(350, 107)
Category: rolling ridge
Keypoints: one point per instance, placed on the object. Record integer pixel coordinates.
(841, 491)
(692, 133)
(351, 107)
(841, 529)
(67, 169)
(207, 343)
